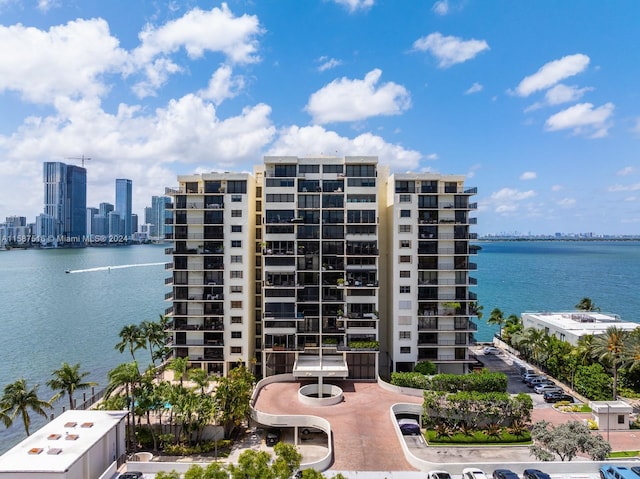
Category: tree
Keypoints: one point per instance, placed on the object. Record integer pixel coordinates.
(593, 382)
(565, 441)
(611, 347)
(18, 399)
(287, 460)
(156, 336)
(232, 398)
(496, 318)
(125, 376)
(179, 367)
(425, 367)
(132, 338)
(67, 380)
(586, 304)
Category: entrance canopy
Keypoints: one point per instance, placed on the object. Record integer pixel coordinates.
(320, 366)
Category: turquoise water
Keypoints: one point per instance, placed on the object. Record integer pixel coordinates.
(49, 316)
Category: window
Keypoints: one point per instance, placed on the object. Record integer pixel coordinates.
(404, 320)
(332, 169)
(236, 319)
(308, 168)
(236, 334)
(236, 349)
(405, 213)
(235, 274)
(236, 228)
(405, 289)
(236, 304)
(405, 350)
(620, 418)
(405, 198)
(236, 213)
(236, 244)
(280, 198)
(236, 198)
(405, 244)
(236, 289)
(405, 274)
(404, 259)
(237, 186)
(236, 259)
(404, 228)
(404, 335)
(404, 304)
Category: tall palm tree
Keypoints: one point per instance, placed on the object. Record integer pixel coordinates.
(156, 336)
(179, 367)
(125, 376)
(131, 337)
(612, 348)
(497, 318)
(586, 304)
(68, 379)
(18, 399)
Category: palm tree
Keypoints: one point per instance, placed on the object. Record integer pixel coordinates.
(179, 367)
(17, 399)
(586, 304)
(131, 337)
(128, 376)
(67, 380)
(155, 335)
(612, 348)
(497, 318)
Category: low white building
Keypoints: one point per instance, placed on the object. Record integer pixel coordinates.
(611, 415)
(75, 445)
(571, 326)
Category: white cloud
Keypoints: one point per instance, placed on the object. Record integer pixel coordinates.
(441, 7)
(507, 200)
(432, 156)
(475, 88)
(552, 73)
(528, 175)
(352, 100)
(636, 127)
(564, 94)
(46, 5)
(627, 170)
(327, 63)
(315, 140)
(354, 5)
(583, 118)
(450, 50)
(557, 188)
(617, 188)
(222, 85)
(566, 202)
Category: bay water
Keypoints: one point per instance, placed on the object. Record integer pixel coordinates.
(49, 316)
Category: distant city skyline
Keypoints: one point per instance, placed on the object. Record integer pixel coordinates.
(536, 103)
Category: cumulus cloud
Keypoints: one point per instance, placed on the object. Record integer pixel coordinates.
(432, 156)
(222, 85)
(450, 50)
(564, 94)
(507, 200)
(441, 7)
(475, 88)
(355, 5)
(352, 100)
(557, 188)
(316, 140)
(46, 5)
(528, 175)
(583, 118)
(617, 188)
(327, 63)
(552, 73)
(627, 170)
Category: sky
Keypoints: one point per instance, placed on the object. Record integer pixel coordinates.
(537, 103)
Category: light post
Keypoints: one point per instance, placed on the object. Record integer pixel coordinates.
(608, 419)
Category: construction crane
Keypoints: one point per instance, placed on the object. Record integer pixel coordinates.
(82, 158)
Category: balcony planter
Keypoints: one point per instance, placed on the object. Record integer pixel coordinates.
(340, 282)
(364, 345)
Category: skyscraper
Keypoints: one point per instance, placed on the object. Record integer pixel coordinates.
(158, 214)
(65, 200)
(124, 191)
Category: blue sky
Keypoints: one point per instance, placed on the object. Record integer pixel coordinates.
(537, 103)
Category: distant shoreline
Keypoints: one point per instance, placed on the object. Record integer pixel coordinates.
(510, 238)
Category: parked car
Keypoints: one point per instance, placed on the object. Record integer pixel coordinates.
(557, 396)
(610, 471)
(131, 475)
(636, 469)
(490, 350)
(504, 474)
(524, 370)
(535, 381)
(473, 473)
(528, 376)
(272, 438)
(409, 427)
(438, 475)
(546, 388)
(535, 474)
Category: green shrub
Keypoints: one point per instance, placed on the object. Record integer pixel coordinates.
(484, 381)
(425, 367)
(224, 446)
(410, 380)
(364, 344)
(478, 437)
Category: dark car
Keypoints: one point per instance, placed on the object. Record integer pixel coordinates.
(558, 396)
(535, 474)
(504, 474)
(272, 438)
(409, 427)
(131, 475)
(636, 469)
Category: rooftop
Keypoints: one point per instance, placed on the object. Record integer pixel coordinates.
(59, 444)
(581, 322)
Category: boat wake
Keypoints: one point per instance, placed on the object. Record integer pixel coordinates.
(109, 268)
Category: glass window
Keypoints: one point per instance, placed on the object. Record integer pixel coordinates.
(405, 213)
(236, 334)
(236, 319)
(404, 334)
(236, 228)
(236, 213)
(236, 198)
(236, 349)
(404, 304)
(405, 198)
(405, 349)
(238, 186)
(404, 228)
(405, 274)
(236, 259)
(405, 243)
(404, 259)
(236, 304)
(236, 243)
(405, 289)
(235, 274)
(236, 289)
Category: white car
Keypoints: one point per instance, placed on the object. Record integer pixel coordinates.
(473, 473)
(491, 350)
(438, 475)
(544, 388)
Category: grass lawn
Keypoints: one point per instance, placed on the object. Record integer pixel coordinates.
(574, 408)
(478, 438)
(625, 454)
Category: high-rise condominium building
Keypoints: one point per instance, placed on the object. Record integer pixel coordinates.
(322, 268)
(124, 206)
(156, 216)
(65, 199)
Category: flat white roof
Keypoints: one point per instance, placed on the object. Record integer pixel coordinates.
(581, 323)
(325, 366)
(56, 446)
